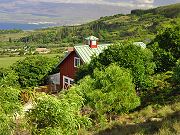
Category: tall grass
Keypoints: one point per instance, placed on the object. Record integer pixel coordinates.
(152, 120)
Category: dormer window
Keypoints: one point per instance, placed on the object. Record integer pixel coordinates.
(77, 62)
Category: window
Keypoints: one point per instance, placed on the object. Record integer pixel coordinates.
(77, 62)
(71, 82)
(94, 43)
(67, 82)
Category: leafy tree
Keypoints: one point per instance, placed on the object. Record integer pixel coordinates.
(32, 70)
(125, 55)
(169, 40)
(166, 48)
(53, 116)
(164, 60)
(110, 91)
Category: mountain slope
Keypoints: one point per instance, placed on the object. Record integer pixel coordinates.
(140, 25)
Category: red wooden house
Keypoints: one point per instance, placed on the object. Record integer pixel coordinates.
(77, 56)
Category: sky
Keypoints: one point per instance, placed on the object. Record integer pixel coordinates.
(122, 3)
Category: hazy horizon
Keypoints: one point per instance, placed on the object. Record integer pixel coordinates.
(68, 12)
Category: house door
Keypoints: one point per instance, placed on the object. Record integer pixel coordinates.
(67, 82)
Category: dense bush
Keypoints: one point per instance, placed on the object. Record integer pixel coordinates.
(110, 91)
(32, 70)
(8, 77)
(53, 116)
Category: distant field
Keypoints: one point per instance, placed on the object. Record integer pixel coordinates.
(8, 61)
(13, 36)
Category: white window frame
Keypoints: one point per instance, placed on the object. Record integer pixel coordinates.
(69, 81)
(76, 58)
(94, 42)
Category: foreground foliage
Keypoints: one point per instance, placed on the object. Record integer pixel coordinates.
(52, 116)
(9, 107)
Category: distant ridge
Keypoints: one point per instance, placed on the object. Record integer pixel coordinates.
(168, 11)
(140, 25)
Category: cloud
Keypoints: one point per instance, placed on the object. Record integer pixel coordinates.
(120, 3)
(145, 1)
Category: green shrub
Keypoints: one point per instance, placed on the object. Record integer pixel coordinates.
(8, 77)
(52, 115)
(33, 69)
(110, 91)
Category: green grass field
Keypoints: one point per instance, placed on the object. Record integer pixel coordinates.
(8, 61)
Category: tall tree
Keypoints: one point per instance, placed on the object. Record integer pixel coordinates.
(166, 48)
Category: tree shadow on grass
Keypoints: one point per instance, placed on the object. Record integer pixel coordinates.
(149, 127)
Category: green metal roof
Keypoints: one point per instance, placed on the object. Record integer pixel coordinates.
(141, 44)
(85, 52)
(92, 38)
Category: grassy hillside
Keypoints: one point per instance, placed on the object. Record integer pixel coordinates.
(154, 120)
(140, 25)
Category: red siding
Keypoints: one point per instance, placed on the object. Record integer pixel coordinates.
(67, 68)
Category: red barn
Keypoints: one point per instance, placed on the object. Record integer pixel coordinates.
(77, 56)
